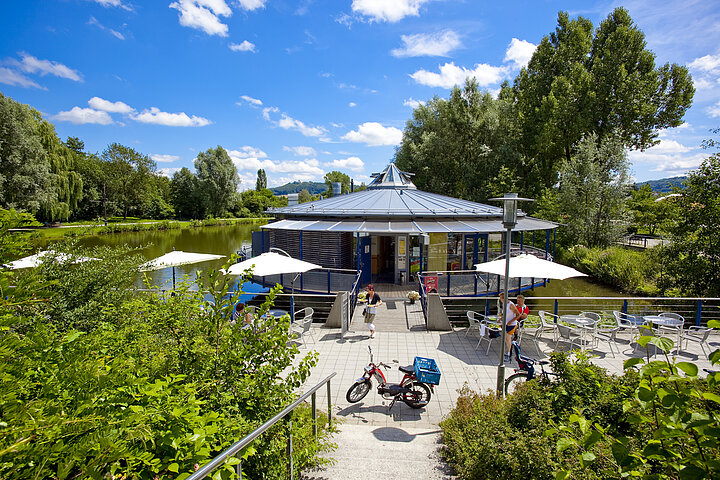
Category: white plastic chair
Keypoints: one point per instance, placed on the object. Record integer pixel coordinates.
(474, 321)
(302, 325)
(604, 332)
(627, 322)
(677, 329)
(485, 331)
(534, 330)
(698, 335)
(548, 323)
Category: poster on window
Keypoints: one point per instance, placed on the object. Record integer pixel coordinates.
(401, 246)
(431, 284)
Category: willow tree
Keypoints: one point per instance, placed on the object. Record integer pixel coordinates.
(604, 81)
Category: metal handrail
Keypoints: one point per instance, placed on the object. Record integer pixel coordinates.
(242, 443)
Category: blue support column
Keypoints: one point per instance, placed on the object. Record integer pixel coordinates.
(301, 257)
(522, 241)
(547, 243)
(625, 305)
(328, 282)
(698, 313)
(556, 309)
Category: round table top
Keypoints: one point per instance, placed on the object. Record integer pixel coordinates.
(661, 320)
(576, 319)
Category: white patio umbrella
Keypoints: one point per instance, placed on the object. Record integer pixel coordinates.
(525, 265)
(273, 263)
(35, 260)
(177, 258)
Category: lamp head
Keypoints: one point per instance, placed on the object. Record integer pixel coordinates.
(510, 201)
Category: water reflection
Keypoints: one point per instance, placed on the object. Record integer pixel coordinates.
(224, 240)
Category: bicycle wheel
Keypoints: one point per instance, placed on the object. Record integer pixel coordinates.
(419, 395)
(513, 381)
(357, 391)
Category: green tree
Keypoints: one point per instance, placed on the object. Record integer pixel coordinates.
(693, 256)
(24, 167)
(591, 198)
(261, 183)
(458, 146)
(650, 211)
(185, 195)
(304, 196)
(605, 82)
(336, 177)
(128, 176)
(258, 201)
(218, 179)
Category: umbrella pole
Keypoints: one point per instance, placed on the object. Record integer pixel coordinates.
(173, 278)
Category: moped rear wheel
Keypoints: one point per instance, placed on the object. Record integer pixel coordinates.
(418, 396)
(514, 381)
(357, 391)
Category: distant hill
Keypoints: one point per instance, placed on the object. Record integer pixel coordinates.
(296, 187)
(664, 185)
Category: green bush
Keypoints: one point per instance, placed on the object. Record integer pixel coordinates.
(100, 382)
(631, 271)
(488, 438)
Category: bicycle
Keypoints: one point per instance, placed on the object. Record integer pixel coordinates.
(526, 370)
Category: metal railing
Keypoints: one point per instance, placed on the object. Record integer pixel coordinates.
(457, 283)
(695, 310)
(286, 412)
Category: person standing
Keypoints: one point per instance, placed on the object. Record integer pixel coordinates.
(524, 312)
(511, 314)
(373, 301)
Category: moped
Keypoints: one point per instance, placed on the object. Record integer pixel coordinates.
(415, 393)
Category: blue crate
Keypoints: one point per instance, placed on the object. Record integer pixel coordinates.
(426, 370)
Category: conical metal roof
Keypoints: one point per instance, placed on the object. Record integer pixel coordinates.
(391, 195)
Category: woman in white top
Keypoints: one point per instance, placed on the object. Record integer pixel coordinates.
(512, 314)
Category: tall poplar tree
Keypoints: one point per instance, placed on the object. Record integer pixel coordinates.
(218, 179)
(581, 81)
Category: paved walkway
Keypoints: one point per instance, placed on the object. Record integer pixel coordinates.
(369, 429)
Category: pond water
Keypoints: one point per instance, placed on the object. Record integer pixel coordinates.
(224, 240)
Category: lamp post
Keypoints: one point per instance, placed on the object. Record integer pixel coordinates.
(509, 221)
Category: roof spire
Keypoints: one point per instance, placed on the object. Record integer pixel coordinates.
(392, 177)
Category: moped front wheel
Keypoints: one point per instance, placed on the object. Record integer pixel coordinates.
(357, 391)
(418, 396)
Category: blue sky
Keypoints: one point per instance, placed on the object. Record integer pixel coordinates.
(301, 88)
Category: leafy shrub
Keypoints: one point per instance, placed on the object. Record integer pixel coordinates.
(105, 383)
(631, 271)
(488, 438)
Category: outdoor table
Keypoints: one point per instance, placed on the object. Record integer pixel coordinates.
(275, 312)
(661, 321)
(586, 325)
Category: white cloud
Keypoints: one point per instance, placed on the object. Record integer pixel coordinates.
(30, 64)
(115, 33)
(84, 115)
(714, 111)
(157, 117)
(350, 163)
(308, 167)
(352, 104)
(451, 75)
(169, 171)
(113, 3)
(267, 111)
(251, 100)
(428, 44)
(247, 152)
(203, 15)
(289, 123)
(519, 52)
(301, 151)
(12, 77)
(411, 102)
(708, 63)
(245, 46)
(98, 103)
(162, 158)
(670, 157)
(387, 10)
(374, 134)
(252, 4)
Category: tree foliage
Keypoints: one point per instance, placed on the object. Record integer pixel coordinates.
(693, 256)
(591, 198)
(459, 146)
(604, 81)
(218, 179)
(336, 177)
(261, 182)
